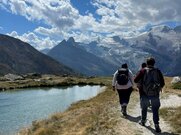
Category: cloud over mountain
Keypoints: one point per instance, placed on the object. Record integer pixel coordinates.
(61, 19)
(37, 42)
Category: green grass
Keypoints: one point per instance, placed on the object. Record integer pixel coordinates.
(173, 116)
(55, 81)
(176, 86)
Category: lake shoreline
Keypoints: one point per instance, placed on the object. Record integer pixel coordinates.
(48, 81)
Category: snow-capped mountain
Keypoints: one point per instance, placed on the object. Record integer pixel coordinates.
(163, 43)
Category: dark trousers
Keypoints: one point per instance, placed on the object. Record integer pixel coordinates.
(124, 95)
(155, 104)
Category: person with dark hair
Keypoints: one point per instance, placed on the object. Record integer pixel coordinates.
(124, 66)
(139, 84)
(143, 65)
(152, 82)
(123, 82)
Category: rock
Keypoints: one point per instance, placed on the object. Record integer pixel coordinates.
(176, 79)
(33, 75)
(65, 75)
(13, 77)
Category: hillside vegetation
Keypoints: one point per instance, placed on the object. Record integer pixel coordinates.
(177, 86)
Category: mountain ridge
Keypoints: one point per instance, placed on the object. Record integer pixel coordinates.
(162, 42)
(19, 57)
(73, 55)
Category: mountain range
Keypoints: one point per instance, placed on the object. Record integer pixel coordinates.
(20, 58)
(100, 57)
(163, 43)
(72, 55)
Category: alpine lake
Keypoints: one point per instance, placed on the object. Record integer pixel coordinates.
(19, 108)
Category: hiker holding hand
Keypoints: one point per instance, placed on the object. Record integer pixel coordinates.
(123, 82)
(152, 82)
(139, 84)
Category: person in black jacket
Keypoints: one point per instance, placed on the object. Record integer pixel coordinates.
(152, 82)
(139, 84)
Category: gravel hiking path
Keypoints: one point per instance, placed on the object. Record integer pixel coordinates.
(129, 125)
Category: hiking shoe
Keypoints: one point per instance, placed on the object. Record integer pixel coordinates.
(142, 123)
(124, 113)
(157, 128)
(123, 110)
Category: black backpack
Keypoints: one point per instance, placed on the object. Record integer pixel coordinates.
(122, 76)
(151, 82)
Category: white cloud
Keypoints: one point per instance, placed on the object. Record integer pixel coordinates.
(140, 12)
(34, 40)
(51, 32)
(105, 11)
(55, 13)
(13, 34)
(85, 23)
(117, 17)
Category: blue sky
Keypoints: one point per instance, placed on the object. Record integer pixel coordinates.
(11, 22)
(45, 23)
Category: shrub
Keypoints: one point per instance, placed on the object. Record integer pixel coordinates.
(176, 85)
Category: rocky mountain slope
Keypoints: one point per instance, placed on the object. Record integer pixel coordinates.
(21, 58)
(72, 55)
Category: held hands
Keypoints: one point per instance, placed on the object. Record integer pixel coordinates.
(136, 89)
(161, 90)
(113, 88)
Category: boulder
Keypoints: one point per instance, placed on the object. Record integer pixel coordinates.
(13, 77)
(176, 79)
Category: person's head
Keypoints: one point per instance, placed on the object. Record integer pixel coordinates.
(150, 61)
(143, 65)
(124, 65)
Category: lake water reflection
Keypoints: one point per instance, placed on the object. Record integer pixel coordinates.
(19, 108)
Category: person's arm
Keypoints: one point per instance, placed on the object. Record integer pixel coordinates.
(131, 77)
(139, 76)
(114, 80)
(162, 82)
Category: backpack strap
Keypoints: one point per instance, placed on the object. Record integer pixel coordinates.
(130, 78)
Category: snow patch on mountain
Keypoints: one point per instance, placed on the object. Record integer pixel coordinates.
(162, 42)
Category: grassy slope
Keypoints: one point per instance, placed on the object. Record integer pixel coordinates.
(174, 120)
(177, 86)
(167, 113)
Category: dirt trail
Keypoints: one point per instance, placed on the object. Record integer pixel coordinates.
(130, 124)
